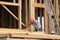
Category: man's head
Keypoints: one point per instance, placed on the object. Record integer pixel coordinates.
(31, 20)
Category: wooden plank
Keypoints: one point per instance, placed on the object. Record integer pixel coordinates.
(57, 12)
(35, 1)
(14, 1)
(39, 5)
(26, 34)
(9, 3)
(4, 31)
(46, 23)
(41, 1)
(36, 35)
(19, 15)
(4, 35)
(32, 9)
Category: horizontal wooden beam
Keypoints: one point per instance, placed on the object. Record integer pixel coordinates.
(9, 3)
(11, 31)
(4, 35)
(39, 5)
(26, 34)
(41, 36)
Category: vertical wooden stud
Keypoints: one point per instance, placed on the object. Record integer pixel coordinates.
(32, 9)
(40, 1)
(26, 14)
(14, 1)
(46, 23)
(19, 14)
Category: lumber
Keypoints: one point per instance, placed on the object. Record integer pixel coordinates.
(36, 35)
(39, 5)
(40, 1)
(32, 9)
(10, 12)
(26, 8)
(4, 35)
(14, 1)
(26, 34)
(9, 3)
(19, 15)
(46, 24)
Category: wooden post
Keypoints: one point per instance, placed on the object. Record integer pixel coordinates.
(46, 23)
(26, 14)
(35, 1)
(57, 7)
(9, 3)
(19, 15)
(32, 9)
(41, 1)
(57, 13)
(14, 1)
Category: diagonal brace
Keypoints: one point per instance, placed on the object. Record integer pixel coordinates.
(12, 14)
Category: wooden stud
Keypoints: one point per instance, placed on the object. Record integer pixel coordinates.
(39, 5)
(35, 1)
(57, 12)
(14, 1)
(46, 23)
(9, 3)
(19, 14)
(57, 9)
(41, 1)
(26, 14)
(32, 9)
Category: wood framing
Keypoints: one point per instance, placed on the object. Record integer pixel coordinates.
(30, 13)
(14, 1)
(46, 22)
(39, 5)
(10, 12)
(26, 14)
(32, 9)
(25, 34)
(19, 14)
(9, 3)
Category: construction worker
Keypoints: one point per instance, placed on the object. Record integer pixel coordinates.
(34, 24)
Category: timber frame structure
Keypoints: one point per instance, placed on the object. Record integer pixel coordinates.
(18, 13)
